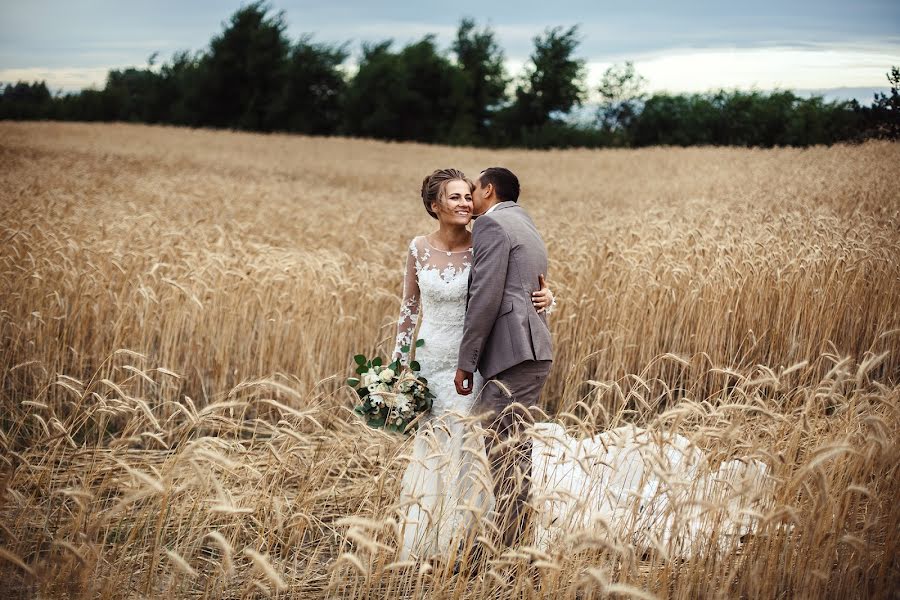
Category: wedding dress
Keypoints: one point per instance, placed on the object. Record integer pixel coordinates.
(442, 490)
(645, 488)
(628, 484)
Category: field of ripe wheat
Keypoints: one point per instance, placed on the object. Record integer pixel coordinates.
(179, 310)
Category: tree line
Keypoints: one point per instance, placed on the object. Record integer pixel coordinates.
(252, 77)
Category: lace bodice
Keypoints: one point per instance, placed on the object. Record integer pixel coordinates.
(435, 284)
(438, 494)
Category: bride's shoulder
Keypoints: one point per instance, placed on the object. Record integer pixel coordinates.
(417, 248)
(418, 244)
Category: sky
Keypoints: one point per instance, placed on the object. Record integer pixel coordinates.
(840, 49)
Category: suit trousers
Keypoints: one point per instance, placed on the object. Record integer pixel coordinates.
(508, 448)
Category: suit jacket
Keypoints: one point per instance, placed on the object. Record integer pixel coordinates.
(502, 327)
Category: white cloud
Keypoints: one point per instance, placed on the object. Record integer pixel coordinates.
(68, 79)
(761, 68)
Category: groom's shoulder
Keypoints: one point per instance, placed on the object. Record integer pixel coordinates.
(486, 220)
(488, 227)
(509, 215)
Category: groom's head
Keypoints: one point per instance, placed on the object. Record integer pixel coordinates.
(493, 185)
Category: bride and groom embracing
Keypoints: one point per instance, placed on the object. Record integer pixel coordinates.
(480, 304)
(482, 475)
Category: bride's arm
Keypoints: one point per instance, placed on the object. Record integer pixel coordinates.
(543, 299)
(409, 306)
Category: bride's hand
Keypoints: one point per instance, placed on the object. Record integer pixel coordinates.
(542, 299)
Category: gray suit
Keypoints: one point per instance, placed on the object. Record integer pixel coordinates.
(502, 327)
(506, 339)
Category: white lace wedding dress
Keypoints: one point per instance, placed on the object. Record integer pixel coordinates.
(442, 491)
(627, 484)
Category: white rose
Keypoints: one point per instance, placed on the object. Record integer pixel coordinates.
(387, 375)
(370, 378)
(405, 386)
(374, 399)
(403, 402)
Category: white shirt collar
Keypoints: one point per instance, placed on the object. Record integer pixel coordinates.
(491, 208)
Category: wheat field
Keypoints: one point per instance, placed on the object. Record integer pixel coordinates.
(179, 310)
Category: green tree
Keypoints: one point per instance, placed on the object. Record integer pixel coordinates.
(552, 86)
(370, 107)
(415, 94)
(622, 95)
(554, 78)
(179, 92)
(25, 101)
(481, 60)
(314, 86)
(738, 118)
(133, 95)
(883, 117)
(242, 75)
(664, 120)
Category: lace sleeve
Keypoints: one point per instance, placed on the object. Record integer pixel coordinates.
(549, 310)
(409, 306)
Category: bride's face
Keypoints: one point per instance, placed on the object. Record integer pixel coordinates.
(456, 207)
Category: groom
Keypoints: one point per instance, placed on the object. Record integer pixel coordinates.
(505, 339)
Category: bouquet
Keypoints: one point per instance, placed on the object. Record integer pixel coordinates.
(392, 396)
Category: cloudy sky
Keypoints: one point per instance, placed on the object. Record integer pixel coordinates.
(842, 49)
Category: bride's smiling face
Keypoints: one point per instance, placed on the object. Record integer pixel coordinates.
(456, 205)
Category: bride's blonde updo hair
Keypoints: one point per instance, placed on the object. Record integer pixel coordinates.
(434, 186)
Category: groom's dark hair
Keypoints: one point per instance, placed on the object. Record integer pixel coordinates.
(506, 184)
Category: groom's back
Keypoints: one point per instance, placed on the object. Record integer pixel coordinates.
(527, 245)
(520, 334)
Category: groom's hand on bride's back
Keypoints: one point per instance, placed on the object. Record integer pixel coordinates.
(463, 381)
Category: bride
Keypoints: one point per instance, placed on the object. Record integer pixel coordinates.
(614, 478)
(443, 488)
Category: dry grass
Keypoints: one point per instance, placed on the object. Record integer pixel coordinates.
(178, 309)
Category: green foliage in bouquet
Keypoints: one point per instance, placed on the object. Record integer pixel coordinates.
(392, 396)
